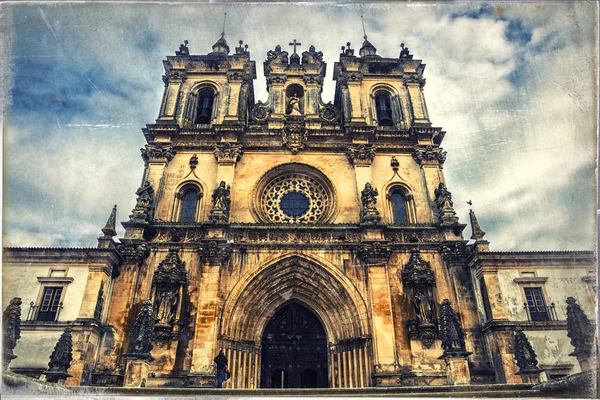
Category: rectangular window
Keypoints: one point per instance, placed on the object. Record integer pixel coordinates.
(50, 304)
(536, 304)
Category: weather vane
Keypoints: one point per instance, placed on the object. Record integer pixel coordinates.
(363, 24)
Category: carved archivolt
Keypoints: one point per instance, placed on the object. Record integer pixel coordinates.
(311, 194)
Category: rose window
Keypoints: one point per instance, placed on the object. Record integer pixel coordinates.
(294, 193)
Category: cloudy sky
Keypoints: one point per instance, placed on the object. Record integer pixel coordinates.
(512, 84)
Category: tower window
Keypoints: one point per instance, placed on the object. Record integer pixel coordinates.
(189, 205)
(399, 213)
(383, 105)
(206, 99)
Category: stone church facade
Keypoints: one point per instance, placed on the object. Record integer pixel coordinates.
(314, 243)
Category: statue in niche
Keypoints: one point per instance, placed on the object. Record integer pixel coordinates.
(293, 107)
(369, 197)
(422, 305)
(145, 195)
(166, 305)
(443, 198)
(220, 197)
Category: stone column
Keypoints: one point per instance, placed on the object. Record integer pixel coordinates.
(354, 83)
(375, 258)
(213, 257)
(234, 83)
(419, 109)
(361, 156)
(173, 80)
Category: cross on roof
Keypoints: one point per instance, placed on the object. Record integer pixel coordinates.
(294, 43)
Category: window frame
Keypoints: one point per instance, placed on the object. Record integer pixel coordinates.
(177, 210)
(409, 202)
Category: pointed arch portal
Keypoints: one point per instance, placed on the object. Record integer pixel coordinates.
(302, 291)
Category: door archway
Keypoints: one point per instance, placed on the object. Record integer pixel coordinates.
(294, 350)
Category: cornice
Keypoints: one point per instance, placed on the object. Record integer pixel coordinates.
(507, 260)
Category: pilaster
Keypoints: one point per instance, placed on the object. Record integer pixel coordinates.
(173, 80)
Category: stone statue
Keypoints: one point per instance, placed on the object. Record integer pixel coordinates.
(11, 325)
(222, 373)
(368, 197)
(145, 195)
(443, 198)
(142, 333)
(451, 332)
(220, 197)
(166, 306)
(61, 358)
(183, 49)
(422, 305)
(293, 107)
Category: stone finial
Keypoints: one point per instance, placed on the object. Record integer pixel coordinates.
(580, 330)
(109, 229)
(524, 353)
(477, 232)
(451, 332)
(11, 325)
(60, 359)
(142, 334)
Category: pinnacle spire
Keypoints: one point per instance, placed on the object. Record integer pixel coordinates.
(109, 228)
(478, 233)
(367, 48)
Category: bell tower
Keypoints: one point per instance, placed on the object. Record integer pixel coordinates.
(294, 84)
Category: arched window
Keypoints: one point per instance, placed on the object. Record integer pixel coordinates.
(383, 107)
(187, 204)
(204, 111)
(401, 208)
(399, 213)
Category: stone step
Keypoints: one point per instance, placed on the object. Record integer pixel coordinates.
(498, 391)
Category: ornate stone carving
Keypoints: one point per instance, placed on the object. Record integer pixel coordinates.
(242, 49)
(350, 77)
(294, 137)
(174, 76)
(134, 253)
(260, 112)
(313, 79)
(158, 152)
(312, 56)
(183, 49)
(221, 364)
(368, 197)
(144, 209)
(193, 162)
(168, 283)
(524, 353)
(142, 334)
(238, 76)
(276, 80)
(60, 359)
(419, 280)
(375, 253)
(228, 153)
(277, 56)
(453, 252)
(394, 164)
(221, 204)
(580, 330)
(429, 156)
(404, 53)
(215, 252)
(361, 154)
(329, 113)
(451, 332)
(413, 78)
(11, 326)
